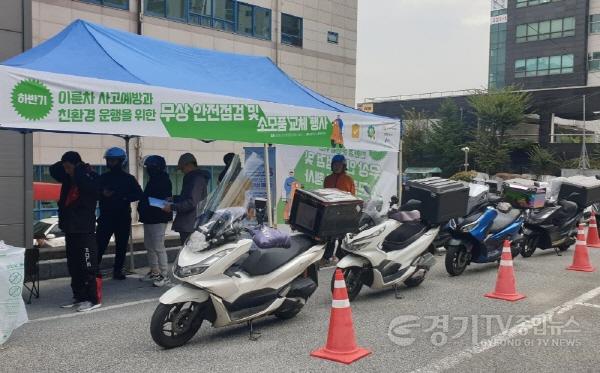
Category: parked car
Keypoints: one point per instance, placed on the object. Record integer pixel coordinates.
(46, 233)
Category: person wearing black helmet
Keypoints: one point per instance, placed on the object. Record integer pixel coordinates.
(118, 189)
(77, 219)
(155, 220)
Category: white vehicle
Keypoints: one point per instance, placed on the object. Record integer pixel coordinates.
(227, 280)
(397, 249)
(46, 233)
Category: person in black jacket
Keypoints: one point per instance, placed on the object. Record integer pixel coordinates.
(227, 159)
(118, 189)
(193, 191)
(77, 219)
(155, 220)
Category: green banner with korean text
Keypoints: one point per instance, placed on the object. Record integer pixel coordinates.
(33, 100)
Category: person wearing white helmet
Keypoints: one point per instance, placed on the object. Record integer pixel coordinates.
(118, 189)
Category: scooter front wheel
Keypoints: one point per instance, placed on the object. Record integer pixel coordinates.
(172, 325)
(352, 277)
(530, 246)
(456, 260)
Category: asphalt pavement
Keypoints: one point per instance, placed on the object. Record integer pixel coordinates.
(446, 324)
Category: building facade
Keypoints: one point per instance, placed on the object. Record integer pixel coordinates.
(15, 148)
(314, 41)
(539, 44)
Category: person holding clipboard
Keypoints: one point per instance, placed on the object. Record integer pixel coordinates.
(157, 191)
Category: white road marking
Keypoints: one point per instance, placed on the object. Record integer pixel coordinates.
(589, 305)
(502, 338)
(101, 309)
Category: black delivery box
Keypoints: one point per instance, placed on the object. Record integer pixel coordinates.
(325, 213)
(586, 187)
(441, 199)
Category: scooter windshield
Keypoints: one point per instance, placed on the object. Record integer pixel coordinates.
(224, 222)
(232, 191)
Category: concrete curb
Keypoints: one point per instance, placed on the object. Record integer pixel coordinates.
(57, 268)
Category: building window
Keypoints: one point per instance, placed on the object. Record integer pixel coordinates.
(595, 23)
(497, 64)
(176, 9)
(291, 30)
(594, 61)
(176, 177)
(556, 28)
(524, 3)
(254, 21)
(121, 4)
(227, 15)
(541, 66)
(332, 37)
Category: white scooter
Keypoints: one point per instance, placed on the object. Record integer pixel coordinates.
(394, 250)
(229, 281)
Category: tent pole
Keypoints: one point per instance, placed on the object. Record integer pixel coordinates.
(131, 251)
(400, 168)
(268, 181)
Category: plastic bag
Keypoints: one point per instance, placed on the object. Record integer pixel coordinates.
(12, 307)
(267, 238)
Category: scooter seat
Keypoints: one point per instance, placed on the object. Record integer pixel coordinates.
(263, 261)
(503, 220)
(403, 236)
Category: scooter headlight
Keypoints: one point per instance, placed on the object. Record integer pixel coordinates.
(188, 271)
(361, 242)
(202, 266)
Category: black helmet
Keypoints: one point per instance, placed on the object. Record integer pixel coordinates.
(155, 161)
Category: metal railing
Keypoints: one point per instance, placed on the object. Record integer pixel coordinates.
(418, 96)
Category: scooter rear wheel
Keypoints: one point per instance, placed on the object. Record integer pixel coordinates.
(288, 313)
(456, 260)
(172, 325)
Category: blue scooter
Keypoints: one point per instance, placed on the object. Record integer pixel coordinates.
(479, 237)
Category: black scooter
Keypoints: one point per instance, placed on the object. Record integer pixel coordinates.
(552, 227)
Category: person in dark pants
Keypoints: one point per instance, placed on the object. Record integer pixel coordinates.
(193, 191)
(77, 219)
(155, 220)
(118, 189)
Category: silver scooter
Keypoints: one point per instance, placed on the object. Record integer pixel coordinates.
(228, 281)
(396, 250)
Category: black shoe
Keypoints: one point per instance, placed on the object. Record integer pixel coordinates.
(119, 276)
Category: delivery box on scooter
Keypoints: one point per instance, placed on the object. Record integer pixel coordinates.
(441, 199)
(586, 189)
(524, 193)
(325, 213)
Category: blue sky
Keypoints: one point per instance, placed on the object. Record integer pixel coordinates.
(417, 46)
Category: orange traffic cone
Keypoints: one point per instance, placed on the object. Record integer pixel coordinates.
(506, 283)
(592, 237)
(581, 258)
(341, 342)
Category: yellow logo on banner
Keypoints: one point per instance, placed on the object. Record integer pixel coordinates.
(355, 131)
